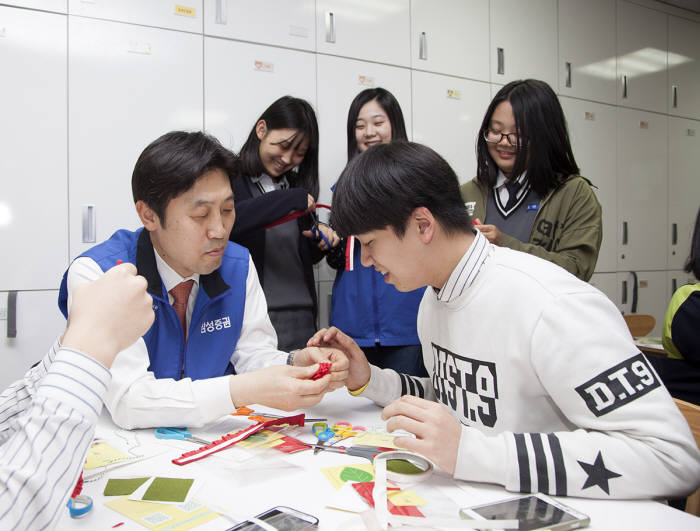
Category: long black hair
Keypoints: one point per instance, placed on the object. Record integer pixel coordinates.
(388, 103)
(544, 149)
(693, 263)
(286, 113)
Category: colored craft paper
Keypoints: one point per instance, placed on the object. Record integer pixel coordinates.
(159, 516)
(262, 439)
(338, 475)
(168, 490)
(374, 439)
(365, 490)
(102, 454)
(123, 487)
(403, 498)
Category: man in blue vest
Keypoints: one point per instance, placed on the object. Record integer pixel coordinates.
(211, 348)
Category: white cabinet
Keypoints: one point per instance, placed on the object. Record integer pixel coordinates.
(33, 135)
(451, 37)
(651, 295)
(338, 82)
(241, 80)
(641, 57)
(524, 40)
(642, 181)
(57, 6)
(587, 55)
(683, 187)
(593, 134)
(128, 85)
(448, 118)
(374, 31)
(184, 16)
(684, 67)
(38, 323)
(289, 23)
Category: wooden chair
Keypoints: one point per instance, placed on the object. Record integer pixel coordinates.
(691, 412)
(639, 324)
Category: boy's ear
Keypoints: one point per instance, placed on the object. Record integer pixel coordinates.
(148, 217)
(425, 223)
(260, 129)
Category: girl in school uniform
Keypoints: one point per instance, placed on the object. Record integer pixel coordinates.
(278, 174)
(381, 319)
(527, 194)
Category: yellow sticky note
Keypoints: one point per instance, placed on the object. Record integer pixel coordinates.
(405, 498)
(161, 516)
(102, 454)
(374, 439)
(185, 10)
(358, 473)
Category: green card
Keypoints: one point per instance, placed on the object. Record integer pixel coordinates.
(122, 487)
(168, 490)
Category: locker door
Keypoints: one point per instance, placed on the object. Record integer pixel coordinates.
(593, 134)
(608, 284)
(374, 31)
(447, 116)
(241, 80)
(451, 37)
(289, 23)
(684, 67)
(642, 181)
(676, 279)
(652, 295)
(184, 15)
(128, 86)
(33, 135)
(339, 81)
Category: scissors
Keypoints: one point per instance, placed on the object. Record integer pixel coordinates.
(368, 452)
(340, 430)
(179, 434)
(262, 417)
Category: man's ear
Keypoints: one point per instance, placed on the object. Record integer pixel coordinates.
(148, 217)
(261, 129)
(425, 223)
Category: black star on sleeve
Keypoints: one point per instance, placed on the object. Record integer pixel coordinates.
(598, 474)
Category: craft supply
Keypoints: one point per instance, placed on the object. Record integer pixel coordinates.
(157, 516)
(262, 417)
(179, 434)
(79, 504)
(339, 475)
(118, 525)
(122, 487)
(368, 452)
(323, 369)
(404, 467)
(232, 438)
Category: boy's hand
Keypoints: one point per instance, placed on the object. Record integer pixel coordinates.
(358, 370)
(313, 355)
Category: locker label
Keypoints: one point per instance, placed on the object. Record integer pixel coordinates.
(262, 66)
(365, 81)
(690, 132)
(454, 94)
(643, 284)
(589, 116)
(644, 124)
(185, 11)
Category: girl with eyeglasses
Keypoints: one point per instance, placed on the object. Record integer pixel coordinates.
(277, 173)
(527, 194)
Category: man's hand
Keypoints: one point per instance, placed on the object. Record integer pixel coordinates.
(280, 386)
(313, 355)
(437, 432)
(109, 314)
(358, 370)
(490, 231)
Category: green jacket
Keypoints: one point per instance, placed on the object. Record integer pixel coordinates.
(567, 230)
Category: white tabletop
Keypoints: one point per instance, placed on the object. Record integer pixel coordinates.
(295, 480)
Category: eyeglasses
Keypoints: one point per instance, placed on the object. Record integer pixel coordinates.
(494, 137)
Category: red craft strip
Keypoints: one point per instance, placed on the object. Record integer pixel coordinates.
(364, 489)
(323, 369)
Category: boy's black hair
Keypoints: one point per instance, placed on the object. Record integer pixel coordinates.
(171, 165)
(381, 187)
(386, 101)
(544, 149)
(286, 113)
(693, 263)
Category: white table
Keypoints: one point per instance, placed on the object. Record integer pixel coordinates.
(295, 481)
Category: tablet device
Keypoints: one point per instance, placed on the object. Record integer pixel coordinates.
(534, 512)
(280, 518)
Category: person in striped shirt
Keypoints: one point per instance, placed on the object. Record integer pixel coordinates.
(47, 419)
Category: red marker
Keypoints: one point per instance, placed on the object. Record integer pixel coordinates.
(120, 523)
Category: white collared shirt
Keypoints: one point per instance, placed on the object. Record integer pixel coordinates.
(172, 278)
(502, 193)
(266, 184)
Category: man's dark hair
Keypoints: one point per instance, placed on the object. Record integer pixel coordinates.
(171, 165)
(386, 101)
(381, 187)
(286, 113)
(693, 263)
(544, 148)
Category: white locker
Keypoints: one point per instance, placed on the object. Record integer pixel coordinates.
(373, 31)
(241, 80)
(683, 187)
(56, 6)
(607, 283)
(128, 85)
(338, 82)
(593, 134)
(642, 182)
(652, 295)
(178, 15)
(451, 37)
(587, 56)
(289, 23)
(524, 40)
(33, 135)
(641, 57)
(38, 323)
(684, 67)
(676, 279)
(447, 115)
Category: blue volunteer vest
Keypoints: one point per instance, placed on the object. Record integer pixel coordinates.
(216, 320)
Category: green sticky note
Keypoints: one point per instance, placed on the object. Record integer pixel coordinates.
(168, 490)
(355, 474)
(123, 487)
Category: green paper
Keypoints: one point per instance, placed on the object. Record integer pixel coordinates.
(355, 474)
(123, 487)
(402, 466)
(168, 490)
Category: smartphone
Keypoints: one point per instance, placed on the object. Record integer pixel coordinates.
(534, 512)
(281, 518)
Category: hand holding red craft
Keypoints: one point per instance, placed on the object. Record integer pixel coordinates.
(323, 369)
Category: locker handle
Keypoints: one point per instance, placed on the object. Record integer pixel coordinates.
(624, 233)
(674, 89)
(501, 61)
(221, 12)
(423, 47)
(624, 292)
(330, 26)
(624, 86)
(568, 75)
(674, 285)
(89, 224)
(674, 233)
(11, 314)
